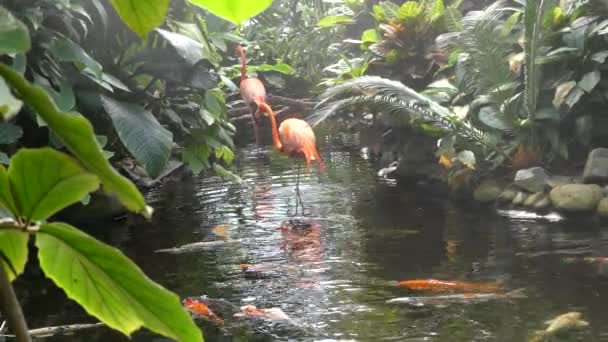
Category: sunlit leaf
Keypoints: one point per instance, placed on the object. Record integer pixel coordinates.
(142, 16)
(574, 96)
(467, 158)
(600, 57)
(76, 133)
(13, 245)
(9, 105)
(140, 132)
(279, 67)
(44, 181)
(109, 286)
(370, 36)
(410, 10)
(333, 20)
(9, 133)
(14, 35)
(236, 11)
(436, 12)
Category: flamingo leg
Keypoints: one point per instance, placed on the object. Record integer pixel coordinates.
(299, 200)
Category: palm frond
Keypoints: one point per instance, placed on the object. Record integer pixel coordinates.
(533, 20)
(392, 97)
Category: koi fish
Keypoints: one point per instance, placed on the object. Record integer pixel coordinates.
(221, 231)
(273, 314)
(465, 298)
(589, 260)
(562, 323)
(196, 247)
(434, 285)
(201, 309)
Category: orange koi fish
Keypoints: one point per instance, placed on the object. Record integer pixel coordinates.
(433, 285)
(199, 308)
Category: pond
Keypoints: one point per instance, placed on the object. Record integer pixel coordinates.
(368, 233)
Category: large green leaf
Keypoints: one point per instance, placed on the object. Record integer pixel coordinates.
(279, 67)
(188, 48)
(142, 16)
(9, 105)
(6, 196)
(76, 133)
(13, 245)
(236, 11)
(370, 36)
(44, 181)
(68, 51)
(148, 141)
(14, 36)
(436, 12)
(333, 20)
(590, 80)
(110, 286)
(410, 10)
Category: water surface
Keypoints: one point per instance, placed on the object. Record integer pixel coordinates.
(334, 284)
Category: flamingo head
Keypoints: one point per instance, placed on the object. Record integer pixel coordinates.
(239, 49)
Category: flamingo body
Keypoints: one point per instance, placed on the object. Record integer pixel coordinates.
(298, 139)
(253, 93)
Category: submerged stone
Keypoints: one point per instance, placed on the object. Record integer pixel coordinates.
(602, 208)
(532, 199)
(576, 197)
(532, 180)
(520, 198)
(543, 203)
(596, 167)
(507, 196)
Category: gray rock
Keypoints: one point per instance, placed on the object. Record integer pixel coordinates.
(596, 168)
(543, 203)
(576, 197)
(507, 196)
(602, 208)
(520, 198)
(532, 180)
(532, 199)
(487, 191)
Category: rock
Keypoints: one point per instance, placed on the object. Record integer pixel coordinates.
(576, 197)
(532, 199)
(556, 181)
(532, 180)
(520, 198)
(596, 168)
(543, 203)
(602, 208)
(487, 191)
(507, 196)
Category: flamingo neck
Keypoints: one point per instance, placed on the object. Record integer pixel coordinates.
(273, 124)
(241, 53)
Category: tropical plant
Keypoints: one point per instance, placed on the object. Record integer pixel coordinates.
(42, 67)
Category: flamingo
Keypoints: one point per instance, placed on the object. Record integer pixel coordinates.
(253, 92)
(295, 138)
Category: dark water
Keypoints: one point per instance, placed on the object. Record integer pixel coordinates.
(335, 283)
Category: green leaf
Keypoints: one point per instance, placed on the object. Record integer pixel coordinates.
(589, 81)
(13, 245)
(142, 16)
(378, 13)
(493, 118)
(109, 286)
(76, 133)
(370, 36)
(148, 141)
(6, 196)
(189, 49)
(14, 35)
(214, 101)
(410, 10)
(561, 92)
(507, 27)
(279, 67)
(236, 11)
(333, 20)
(547, 113)
(44, 181)
(9, 133)
(436, 12)
(197, 157)
(9, 105)
(68, 51)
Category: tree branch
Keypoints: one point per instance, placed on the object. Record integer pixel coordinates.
(61, 329)
(11, 308)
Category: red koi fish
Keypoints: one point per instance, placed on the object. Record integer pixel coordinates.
(433, 285)
(199, 308)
